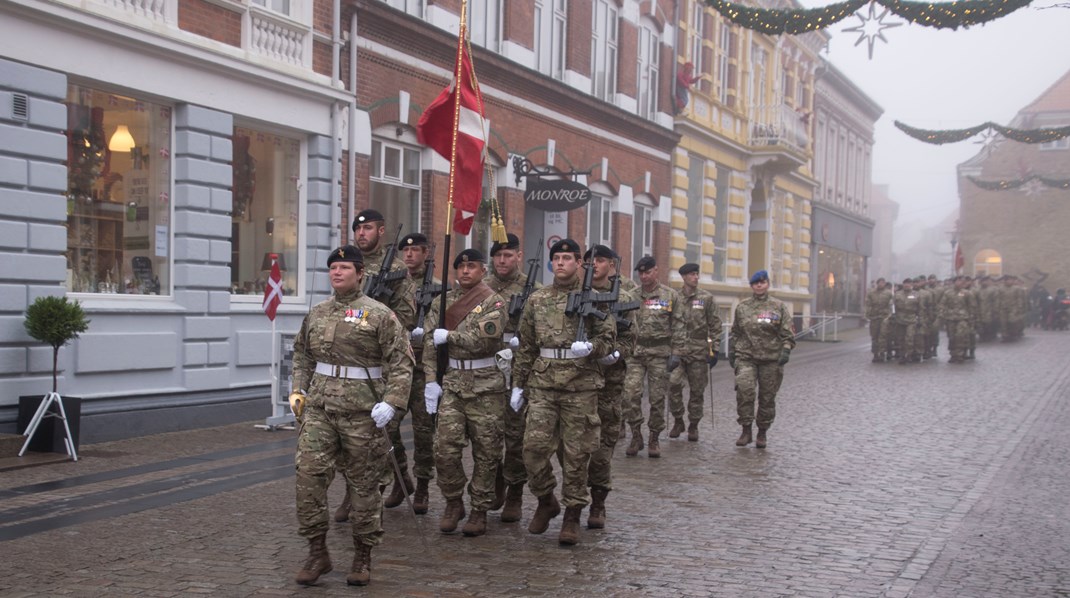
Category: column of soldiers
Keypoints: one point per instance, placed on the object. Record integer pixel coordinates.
(905, 322)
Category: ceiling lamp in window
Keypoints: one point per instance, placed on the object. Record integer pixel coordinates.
(121, 140)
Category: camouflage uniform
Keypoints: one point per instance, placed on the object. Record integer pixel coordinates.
(932, 338)
(878, 308)
(473, 399)
(660, 333)
(561, 392)
(926, 317)
(336, 427)
(905, 323)
(955, 308)
(702, 326)
(423, 426)
(761, 329)
(989, 296)
(1013, 308)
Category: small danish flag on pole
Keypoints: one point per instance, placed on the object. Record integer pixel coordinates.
(273, 290)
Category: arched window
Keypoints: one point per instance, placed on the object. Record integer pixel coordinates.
(988, 262)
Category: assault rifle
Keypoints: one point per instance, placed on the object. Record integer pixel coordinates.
(377, 286)
(517, 302)
(428, 289)
(582, 303)
(617, 308)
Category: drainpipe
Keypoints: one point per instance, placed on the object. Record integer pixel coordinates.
(336, 43)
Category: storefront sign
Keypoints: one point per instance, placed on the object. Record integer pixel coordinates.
(556, 196)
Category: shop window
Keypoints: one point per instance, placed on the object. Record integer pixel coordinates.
(266, 218)
(118, 193)
(395, 184)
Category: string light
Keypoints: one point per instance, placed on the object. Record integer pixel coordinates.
(940, 137)
(1009, 184)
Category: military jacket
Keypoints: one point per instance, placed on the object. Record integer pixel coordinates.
(878, 304)
(761, 329)
(1013, 301)
(989, 303)
(507, 287)
(926, 306)
(955, 305)
(907, 307)
(353, 330)
(660, 325)
(625, 341)
(702, 325)
(545, 325)
(477, 336)
(402, 301)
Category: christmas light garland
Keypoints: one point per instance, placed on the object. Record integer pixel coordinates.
(942, 15)
(940, 137)
(1007, 185)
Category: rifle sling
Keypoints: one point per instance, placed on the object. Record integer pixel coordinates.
(460, 308)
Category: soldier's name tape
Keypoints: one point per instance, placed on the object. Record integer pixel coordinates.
(472, 364)
(350, 372)
(558, 353)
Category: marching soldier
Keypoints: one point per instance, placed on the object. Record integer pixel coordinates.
(352, 371)
(473, 392)
(905, 322)
(702, 343)
(559, 377)
(989, 296)
(1013, 308)
(926, 316)
(975, 317)
(878, 308)
(955, 312)
(659, 343)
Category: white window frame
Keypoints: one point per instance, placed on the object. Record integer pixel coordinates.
(723, 53)
(485, 23)
(283, 7)
(550, 36)
(377, 174)
(600, 229)
(642, 229)
(1058, 144)
(605, 17)
(649, 63)
(697, 35)
(412, 7)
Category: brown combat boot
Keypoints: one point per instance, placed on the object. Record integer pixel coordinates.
(596, 519)
(677, 428)
(454, 512)
(548, 509)
(514, 502)
(499, 489)
(570, 527)
(397, 495)
(361, 572)
(759, 442)
(636, 444)
(342, 512)
(653, 450)
(744, 438)
(476, 524)
(317, 563)
(420, 499)
(692, 432)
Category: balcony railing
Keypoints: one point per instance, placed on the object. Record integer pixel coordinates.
(778, 125)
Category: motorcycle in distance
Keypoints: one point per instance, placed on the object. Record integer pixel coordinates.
(1059, 316)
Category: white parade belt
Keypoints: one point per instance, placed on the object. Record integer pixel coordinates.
(558, 353)
(351, 372)
(472, 364)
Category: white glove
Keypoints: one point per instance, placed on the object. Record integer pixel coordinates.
(514, 342)
(417, 334)
(610, 359)
(382, 413)
(581, 349)
(432, 391)
(517, 400)
(441, 334)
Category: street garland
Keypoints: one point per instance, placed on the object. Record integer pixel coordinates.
(940, 137)
(941, 15)
(1007, 185)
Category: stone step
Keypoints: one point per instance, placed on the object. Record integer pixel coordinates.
(10, 444)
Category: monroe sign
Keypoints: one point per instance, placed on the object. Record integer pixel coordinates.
(556, 196)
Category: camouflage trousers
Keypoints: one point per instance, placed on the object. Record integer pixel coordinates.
(423, 434)
(1011, 328)
(697, 373)
(350, 439)
(476, 420)
(654, 371)
(513, 463)
(878, 341)
(958, 337)
(759, 379)
(907, 339)
(610, 407)
(565, 419)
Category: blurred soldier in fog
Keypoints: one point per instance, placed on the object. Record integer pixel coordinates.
(878, 308)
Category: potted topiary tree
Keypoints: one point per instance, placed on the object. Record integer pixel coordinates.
(54, 321)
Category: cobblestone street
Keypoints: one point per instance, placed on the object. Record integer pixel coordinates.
(879, 480)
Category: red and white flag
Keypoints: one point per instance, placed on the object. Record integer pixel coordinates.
(437, 125)
(960, 261)
(273, 289)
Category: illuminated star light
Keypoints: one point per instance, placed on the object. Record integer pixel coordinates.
(989, 141)
(1033, 187)
(871, 27)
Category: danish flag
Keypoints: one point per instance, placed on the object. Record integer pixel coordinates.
(436, 130)
(273, 290)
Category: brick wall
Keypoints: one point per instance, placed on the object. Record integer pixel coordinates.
(211, 21)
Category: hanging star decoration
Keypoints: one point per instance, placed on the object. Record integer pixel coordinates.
(1033, 187)
(871, 27)
(989, 141)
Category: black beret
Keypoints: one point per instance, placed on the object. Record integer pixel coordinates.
(565, 246)
(908, 280)
(688, 268)
(367, 216)
(469, 255)
(645, 263)
(513, 243)
(413, 240)
(346, 253)
(600, 251)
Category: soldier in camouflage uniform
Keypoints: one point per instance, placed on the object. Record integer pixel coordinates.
(760, 344)
(599, 472)
(368, 230)
(989, 296)
(473, 392)
(353, 361)
(660, 338)
(955, 311)
(702, 328)
(507, 279)
(878, 308)
(560, 377)
(932, 337)
(905, 322)
(1013, 309)
(926, 316)
(974, 305)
